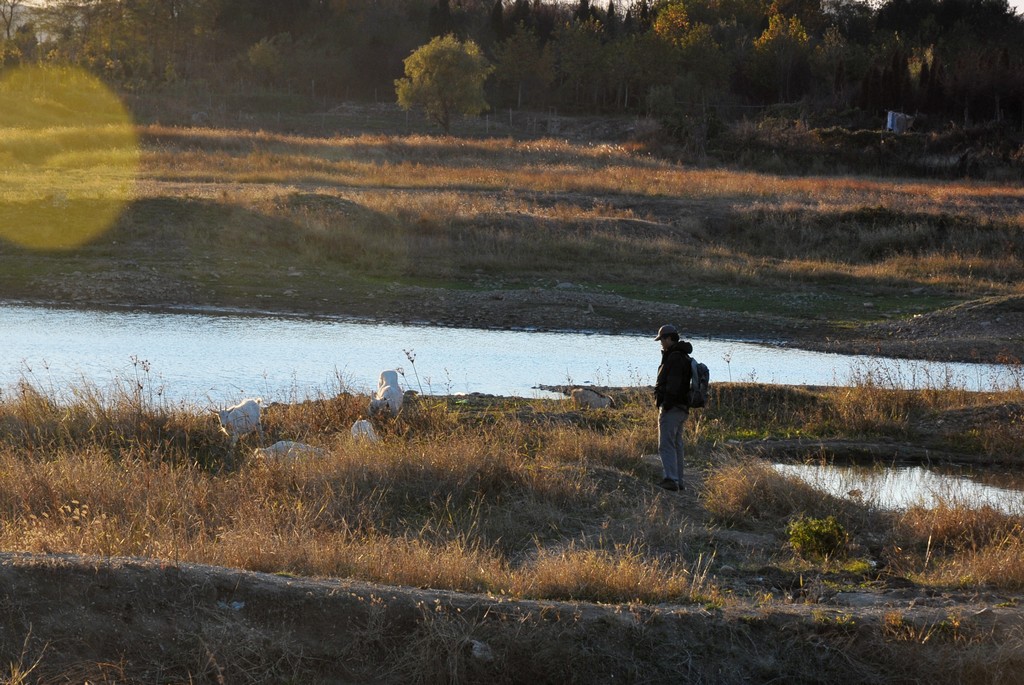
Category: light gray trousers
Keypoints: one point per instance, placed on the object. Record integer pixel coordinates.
(670, 441)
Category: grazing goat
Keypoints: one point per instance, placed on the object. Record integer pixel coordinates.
(585, 398)
(241, 419)
(287, 449)
(389, 394)
(363, 430)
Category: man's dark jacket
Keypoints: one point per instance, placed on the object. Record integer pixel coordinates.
(673, 376)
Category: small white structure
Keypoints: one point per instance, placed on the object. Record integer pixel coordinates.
(389, 394)
(898, 122)
(585, 398)
(241, 419)
(286, 449)
(363, 430)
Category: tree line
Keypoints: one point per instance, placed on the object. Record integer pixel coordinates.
(952, 60)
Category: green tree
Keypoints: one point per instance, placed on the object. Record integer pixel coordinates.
(441, 22)
(497, 18)
(829, 63)
(523, 64)
(370, 41)
(653, 64)
(25, 42)
(579, 61)
(705, 63)
(702, 67)
(584, 12)
(143, 41)
(9, 9)
(612, 25)
(267, 57)
(445, 77)
(672, 22)
(779, 54)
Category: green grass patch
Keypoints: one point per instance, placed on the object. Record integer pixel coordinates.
(824, 538)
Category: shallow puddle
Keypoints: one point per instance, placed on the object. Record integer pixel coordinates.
(899, 487)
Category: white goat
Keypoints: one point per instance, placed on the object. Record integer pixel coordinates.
(389, 394)
(585, 398)
(287, 449)
(363, 430)
(241, 419)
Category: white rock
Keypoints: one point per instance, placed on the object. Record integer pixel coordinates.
(287, 449)
(363, 430)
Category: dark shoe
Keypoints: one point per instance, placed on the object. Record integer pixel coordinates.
(669, 484)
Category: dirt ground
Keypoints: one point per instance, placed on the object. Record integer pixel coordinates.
(986, 330)
(113, 620)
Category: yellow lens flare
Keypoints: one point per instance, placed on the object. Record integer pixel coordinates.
(68, 157)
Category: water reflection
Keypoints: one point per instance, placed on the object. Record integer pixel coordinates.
(895, 488)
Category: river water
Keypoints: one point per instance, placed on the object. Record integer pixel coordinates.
(220, 358)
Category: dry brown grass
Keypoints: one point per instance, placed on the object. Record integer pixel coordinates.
(950, 544)
(960, 545)
(743, 492)
(627, 572)
(521, 499)
(439, 502)
(442, 208)
(226, 156)
(876, 403)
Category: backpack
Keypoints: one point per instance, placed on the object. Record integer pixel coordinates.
(699, 380)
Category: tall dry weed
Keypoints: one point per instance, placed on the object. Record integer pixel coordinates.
(748, 490)
(624, 572)
(958, 544)
(449, 496)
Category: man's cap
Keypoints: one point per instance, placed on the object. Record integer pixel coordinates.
(666, 331)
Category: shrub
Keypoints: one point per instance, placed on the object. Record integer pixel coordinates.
(817, 537)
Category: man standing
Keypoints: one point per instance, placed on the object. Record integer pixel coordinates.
(670, 392)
